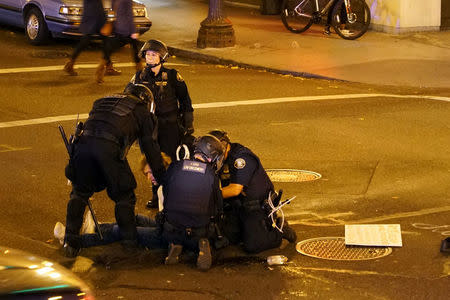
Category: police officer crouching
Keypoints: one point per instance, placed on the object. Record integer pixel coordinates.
(246, 187)
(192, 202)
(173, 104)
(98, 160)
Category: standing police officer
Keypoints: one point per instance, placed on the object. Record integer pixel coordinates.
(192, 201)
(246, 188)
(173, 104)
(98, 160)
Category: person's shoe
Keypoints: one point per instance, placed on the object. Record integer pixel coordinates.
(111, 71)
(88, 223)
(289, 233)
(70, 251)
(68, 68)
(204, 259)
(59, 232)
(100, 72)
(445, 245)
(173, 257)
(326, 30)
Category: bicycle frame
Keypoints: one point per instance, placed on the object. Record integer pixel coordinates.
(327, 7)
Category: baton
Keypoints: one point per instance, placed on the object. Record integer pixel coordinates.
(66, 143)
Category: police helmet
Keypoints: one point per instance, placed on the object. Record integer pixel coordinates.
(221, 135)
(143, 93)
(156, 46)
(211, 149)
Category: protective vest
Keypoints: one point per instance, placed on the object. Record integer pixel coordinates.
(162, 87)
(113, 115)
(260, 184)
(189, 193)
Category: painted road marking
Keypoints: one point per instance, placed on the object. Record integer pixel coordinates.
(235, 103)
(8, 148)
(77, 66)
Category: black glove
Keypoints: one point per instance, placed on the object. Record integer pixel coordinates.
(188, 122)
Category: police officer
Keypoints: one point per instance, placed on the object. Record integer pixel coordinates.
(192, 200)
(98, 160)
(246, 186)
(173, 104)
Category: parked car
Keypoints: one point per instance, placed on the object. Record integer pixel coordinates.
(27, 276)
(43, 19)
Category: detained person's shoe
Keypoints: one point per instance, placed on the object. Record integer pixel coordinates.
(59, 232)
(204, 259)
(173, 257)
(70, 251)
(88, 223)
(111, 71)
(289, 233)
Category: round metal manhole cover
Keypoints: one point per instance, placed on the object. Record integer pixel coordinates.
(334, 248)
(292, 175)
(49, 54)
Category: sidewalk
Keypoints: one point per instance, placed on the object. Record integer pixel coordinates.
(417, 60)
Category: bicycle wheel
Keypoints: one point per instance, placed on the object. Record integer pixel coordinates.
(353, 26)
(297, 15)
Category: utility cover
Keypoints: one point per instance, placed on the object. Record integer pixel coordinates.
(373, 235)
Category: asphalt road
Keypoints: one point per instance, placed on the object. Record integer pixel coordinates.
(383, 159)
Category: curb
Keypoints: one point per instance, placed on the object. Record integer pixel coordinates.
(222, 61)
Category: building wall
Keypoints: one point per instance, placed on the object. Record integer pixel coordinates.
(397, 16)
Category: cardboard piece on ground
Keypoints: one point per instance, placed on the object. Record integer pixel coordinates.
(388, 235)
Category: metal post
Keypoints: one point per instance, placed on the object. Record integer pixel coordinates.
(216, 31)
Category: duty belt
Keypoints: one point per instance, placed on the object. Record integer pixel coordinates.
(102, 135)
(189, 231)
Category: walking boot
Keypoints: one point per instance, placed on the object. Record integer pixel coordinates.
(173, 255)
(68, 68)
(100, 72)
(111, 71)
(204, 259)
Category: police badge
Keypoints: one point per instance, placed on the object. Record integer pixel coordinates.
(239, 163)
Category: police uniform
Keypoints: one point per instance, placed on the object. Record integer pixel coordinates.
(255, 228)
(99, 161)
(192, 196)
(173, 106)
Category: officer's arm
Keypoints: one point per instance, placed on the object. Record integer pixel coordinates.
(232, 190)
(185, 103)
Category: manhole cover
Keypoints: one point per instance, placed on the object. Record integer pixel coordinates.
(334, 248)
(49, 54)
(292, 175)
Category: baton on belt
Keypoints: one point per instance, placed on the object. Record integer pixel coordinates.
(67, 144)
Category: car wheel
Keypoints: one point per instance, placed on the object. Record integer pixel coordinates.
(35, 27)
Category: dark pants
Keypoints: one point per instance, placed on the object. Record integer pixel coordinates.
(169, 137)
(84, 43)
(96, 165)
(118, 41)
(342, 13)
(257, 235)
(185, 237)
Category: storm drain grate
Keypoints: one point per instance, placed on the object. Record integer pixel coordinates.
(292, 175)
(51, 54)
(334, 248)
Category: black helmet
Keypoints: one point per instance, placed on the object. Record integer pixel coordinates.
(210, 148)
(143, 93)
(221, 135)
(157, 46)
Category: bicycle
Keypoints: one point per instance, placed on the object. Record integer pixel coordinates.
(349, 18)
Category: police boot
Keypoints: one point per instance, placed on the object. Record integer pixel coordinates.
(100, 71)
(173, 257)
(289, 233)
(445, 245)
(204, 259)
(70, 251)
(111, 71)
(68, 68)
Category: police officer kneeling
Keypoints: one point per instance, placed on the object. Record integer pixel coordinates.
(98, 160)
(192, 200)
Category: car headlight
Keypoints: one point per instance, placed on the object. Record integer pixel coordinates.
(71, 10)
(139, 11)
